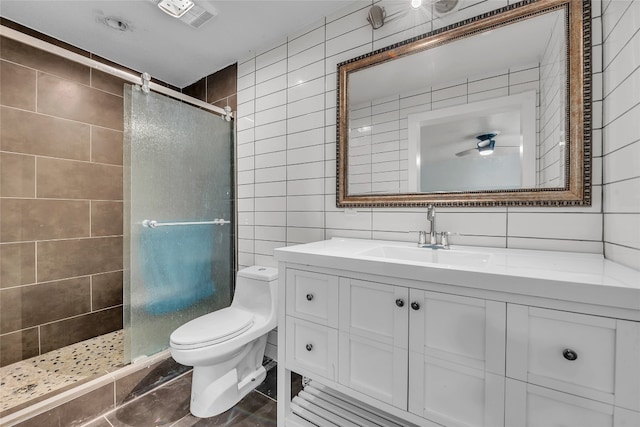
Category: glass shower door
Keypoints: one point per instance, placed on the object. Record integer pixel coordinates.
(178, 176)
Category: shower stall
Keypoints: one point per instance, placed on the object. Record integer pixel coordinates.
(178, 206)
(85, 287)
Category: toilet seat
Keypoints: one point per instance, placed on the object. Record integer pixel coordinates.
(210, 329)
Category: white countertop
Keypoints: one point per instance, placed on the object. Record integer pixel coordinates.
(577, 277)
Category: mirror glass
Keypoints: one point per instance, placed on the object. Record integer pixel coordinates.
(475, 114)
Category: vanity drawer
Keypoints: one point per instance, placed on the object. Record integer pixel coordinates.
(589, 356)
(529, 405)
(312, 296)
(311, 348)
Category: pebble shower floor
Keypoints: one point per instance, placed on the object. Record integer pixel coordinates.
(36, 378)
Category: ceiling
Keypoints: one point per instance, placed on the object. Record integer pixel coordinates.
(166, 47)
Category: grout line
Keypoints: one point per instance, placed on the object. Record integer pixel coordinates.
(39, 341)
(61, 118)
(36, 155)
(91, 294)
(35, 261)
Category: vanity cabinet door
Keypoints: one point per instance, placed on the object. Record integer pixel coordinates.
(528, 405)
(456, 359)
(373, 336)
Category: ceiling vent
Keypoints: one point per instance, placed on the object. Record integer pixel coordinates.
(196, 16)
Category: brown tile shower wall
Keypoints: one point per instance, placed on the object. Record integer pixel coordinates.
(219, 88)
(61, 127)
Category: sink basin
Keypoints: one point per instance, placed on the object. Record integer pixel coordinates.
(431, 256)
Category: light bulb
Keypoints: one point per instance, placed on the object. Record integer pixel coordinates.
(416, 3)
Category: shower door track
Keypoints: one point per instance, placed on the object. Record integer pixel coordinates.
(92, 63)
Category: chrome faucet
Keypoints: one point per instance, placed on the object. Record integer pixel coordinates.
(431, 217)
(433, 234)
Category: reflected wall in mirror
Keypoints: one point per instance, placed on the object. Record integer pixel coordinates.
(491, 111)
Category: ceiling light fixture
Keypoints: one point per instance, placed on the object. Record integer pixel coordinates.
(416, 3)
(175, 8)
(376, 17)
(116, 23)
(486, 143)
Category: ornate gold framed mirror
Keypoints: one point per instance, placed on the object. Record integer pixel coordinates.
(491, 111)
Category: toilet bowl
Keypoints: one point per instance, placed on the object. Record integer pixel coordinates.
(226, 347)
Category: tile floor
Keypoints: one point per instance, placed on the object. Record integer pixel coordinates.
(168, 406)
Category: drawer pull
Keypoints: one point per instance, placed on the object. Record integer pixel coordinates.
(415, 305)
(400, 302)
(569, 354)
(309, 347)
(309, 297)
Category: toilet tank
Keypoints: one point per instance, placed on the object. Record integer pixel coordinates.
(256, 289)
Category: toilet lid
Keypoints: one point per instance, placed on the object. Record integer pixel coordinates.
(212, 328)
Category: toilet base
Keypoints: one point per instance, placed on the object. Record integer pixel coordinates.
(224, 393)
(216, 389)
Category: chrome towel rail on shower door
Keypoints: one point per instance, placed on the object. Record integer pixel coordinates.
(152, 223)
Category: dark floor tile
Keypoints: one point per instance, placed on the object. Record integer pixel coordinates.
(269, 386)
(77, 411)
(100, 422)
(161, 407)
(49, 418)
(87, 407)
(255, 410)
(296, 384)
(138, 383)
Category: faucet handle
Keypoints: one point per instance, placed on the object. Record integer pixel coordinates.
(444, 238)
(422, 237)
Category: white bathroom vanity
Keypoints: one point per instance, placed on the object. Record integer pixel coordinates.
(391, 334)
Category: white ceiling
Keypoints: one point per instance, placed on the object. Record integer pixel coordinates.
(166, 47)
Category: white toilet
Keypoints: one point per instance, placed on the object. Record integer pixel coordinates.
(226, 347)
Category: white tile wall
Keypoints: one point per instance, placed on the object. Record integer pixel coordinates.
(300, 206)
(551, 130)
(621, 132)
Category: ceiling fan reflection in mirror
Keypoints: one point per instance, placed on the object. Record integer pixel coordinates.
(486, 145)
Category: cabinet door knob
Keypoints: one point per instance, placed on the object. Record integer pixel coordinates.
(415, 305)
(309, 347)
(400, 302)
(309, 297)
(569, 354)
